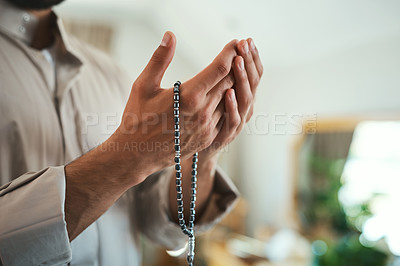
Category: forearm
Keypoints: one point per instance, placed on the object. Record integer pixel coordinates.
(205, 182)
(93, 183)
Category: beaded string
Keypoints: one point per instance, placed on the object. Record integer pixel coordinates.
(187, 230)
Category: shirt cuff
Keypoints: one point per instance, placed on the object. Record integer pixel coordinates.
(32, 222)
(152, 199)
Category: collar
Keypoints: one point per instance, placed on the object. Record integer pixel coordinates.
(17, 22)
(22, 25)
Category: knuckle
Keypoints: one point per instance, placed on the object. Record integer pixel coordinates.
(256, 80)
(191, 101)
(232, 44)
(223, 68)
(229, 81)
(236, 120)
(248, 100)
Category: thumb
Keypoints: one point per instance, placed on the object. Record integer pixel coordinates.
(159, 62)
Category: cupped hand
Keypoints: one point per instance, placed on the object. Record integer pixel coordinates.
(147, 122)
(238, 100)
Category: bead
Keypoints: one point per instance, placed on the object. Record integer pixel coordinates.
(187, 230)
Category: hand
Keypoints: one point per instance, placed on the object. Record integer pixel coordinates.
(247, 70)
(98, 178)
(239, 102)
(145, 121)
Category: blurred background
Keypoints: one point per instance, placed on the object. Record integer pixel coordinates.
(318, 165)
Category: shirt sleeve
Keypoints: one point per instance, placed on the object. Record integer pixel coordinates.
(153, 210)
(32, 223)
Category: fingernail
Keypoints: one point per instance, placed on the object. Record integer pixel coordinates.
(241, 64)
(252, 45)
(166, 39)
(245, 47)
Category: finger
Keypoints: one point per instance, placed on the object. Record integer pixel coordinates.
(216, 120)
(218, 113)
(256, 56)
(231, 122)
(218, 92)
(252, 73)
(159, 62)
(212, 123)
(216, 71)
(242, 88)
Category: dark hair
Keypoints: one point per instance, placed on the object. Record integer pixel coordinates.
(35, 4)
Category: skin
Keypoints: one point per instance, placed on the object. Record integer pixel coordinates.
(214, 114)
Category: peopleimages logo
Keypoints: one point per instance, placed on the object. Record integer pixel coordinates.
(260, 124)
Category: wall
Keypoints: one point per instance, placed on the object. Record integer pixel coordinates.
(363, 80)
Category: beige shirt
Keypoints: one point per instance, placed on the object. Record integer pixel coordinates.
(51, 114)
